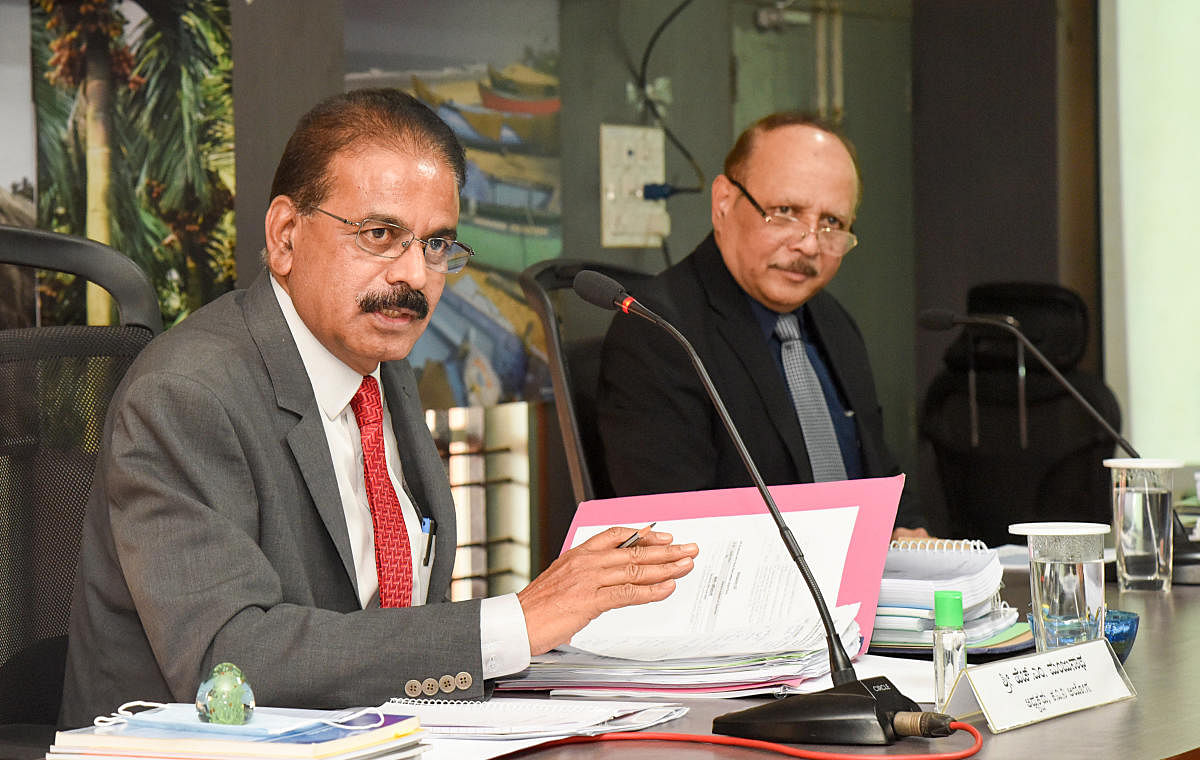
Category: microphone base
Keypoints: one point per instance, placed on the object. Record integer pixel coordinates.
(1185, 566)
(858, 712)
(1185, 556)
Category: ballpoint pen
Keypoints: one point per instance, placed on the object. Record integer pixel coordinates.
(635, 537)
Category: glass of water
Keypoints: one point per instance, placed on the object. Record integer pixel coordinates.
(1143, 522)
(1066, 581)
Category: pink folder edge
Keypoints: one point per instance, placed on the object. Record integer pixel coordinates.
(877, 500)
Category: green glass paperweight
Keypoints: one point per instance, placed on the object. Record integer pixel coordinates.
(226, 697)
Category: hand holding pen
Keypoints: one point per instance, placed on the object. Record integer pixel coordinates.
(637, 536)
(599, 575)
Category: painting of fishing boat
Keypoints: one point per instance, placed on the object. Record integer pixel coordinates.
(484, 344)
(481, 126)
(512, 202)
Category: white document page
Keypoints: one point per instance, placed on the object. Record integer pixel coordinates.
(913, 677)
(519, 717)
(745, 595)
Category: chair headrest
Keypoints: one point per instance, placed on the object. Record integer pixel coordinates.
(1054, 319)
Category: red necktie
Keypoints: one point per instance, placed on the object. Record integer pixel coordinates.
(393, 557)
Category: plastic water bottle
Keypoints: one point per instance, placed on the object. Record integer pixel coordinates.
(949, 644)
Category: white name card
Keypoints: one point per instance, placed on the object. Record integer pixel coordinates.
(1019, 691)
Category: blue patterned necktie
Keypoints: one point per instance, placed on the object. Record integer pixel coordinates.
(820, 440)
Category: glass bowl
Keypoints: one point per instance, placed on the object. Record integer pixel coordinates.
(1120, 628)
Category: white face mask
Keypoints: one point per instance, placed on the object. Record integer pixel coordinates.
(266, 721)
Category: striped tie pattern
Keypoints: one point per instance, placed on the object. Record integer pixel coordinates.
(393, 556)
(824, 454)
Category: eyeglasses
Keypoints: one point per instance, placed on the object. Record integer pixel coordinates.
(389, 240)
(830, 241)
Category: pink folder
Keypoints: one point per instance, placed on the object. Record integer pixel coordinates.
(877, 500)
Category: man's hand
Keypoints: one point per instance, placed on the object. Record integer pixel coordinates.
(597, 576)
(900, 533)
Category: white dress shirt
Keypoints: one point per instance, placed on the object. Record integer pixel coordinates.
(504, 642)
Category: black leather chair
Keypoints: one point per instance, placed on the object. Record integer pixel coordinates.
(972, 412)
(55, 385)
(573, 340)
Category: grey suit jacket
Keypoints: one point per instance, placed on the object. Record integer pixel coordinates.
(215, 533)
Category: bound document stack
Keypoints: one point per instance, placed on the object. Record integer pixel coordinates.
(504, 718)
(743, 621)
(751, 662)
(916, 569)
(174, 732)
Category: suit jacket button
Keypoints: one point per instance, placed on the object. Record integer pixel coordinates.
(429, 686)
(446, 683)
(464, 680)
(412, 688)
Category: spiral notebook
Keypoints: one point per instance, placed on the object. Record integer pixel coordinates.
(914, 570)
(516, 717)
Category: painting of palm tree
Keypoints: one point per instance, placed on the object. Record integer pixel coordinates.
(134, 112)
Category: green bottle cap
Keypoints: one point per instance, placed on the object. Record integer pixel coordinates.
(947, 609)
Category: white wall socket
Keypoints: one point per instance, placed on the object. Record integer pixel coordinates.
(631, 157)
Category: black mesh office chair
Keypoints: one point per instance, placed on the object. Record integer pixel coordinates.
(55, 385)
(990, 477)
(573, 354)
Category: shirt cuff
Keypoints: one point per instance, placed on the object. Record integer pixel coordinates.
(503, 640)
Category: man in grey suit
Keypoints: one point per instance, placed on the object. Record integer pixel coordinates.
(244, 508)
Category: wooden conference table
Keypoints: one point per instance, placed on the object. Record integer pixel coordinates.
(1162, 722)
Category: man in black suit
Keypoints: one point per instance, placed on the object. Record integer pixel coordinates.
(781, 214)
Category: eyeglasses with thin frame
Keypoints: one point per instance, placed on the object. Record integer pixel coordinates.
(830, 241)
(389, 240)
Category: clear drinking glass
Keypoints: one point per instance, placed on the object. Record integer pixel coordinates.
(1066, 581)
(1143, 522)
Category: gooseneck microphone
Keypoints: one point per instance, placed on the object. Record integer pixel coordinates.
(853, 711)
(605, 292)
(944, 319)
(1186, 554)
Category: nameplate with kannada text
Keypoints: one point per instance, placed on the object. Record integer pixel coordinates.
(1019, 691)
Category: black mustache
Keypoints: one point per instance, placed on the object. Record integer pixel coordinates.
(801, 266)
(400, 297)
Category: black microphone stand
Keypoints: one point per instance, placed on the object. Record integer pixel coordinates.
(1186, 554)
(934, 320)
(853, 711)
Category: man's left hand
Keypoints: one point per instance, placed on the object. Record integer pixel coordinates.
(902, 533)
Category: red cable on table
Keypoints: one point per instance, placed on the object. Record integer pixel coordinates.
(782, 749)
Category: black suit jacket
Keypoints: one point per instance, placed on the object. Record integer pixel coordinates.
(660, 431)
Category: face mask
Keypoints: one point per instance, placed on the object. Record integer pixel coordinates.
(265, 722)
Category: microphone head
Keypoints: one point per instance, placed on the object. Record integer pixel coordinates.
(937, 319)
(599, 289)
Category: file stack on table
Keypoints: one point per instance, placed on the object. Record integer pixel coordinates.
(503, 725)
(737, 663)
(744, 620)
(505, 718)
(914, 570)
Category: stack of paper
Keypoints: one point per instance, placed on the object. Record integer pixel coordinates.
(504, 725)
(760, 662)
(744, 620)
(514, 718)
(909, 625)
(302, 735)
(915, 570)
